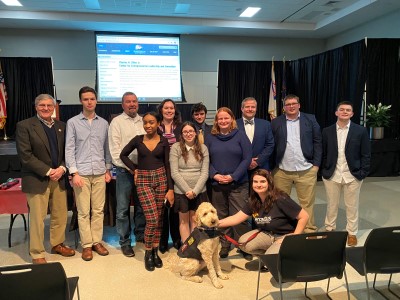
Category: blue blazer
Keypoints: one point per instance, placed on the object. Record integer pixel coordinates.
(310, 139)
(357, 151)
(263, 141)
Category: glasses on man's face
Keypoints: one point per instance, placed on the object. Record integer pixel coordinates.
(188, 132)
(42, 106)
(291, 104)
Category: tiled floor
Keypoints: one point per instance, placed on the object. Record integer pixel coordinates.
(118, 277)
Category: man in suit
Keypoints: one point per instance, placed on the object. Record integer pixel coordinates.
(298, 154)
(40, 145)
(199, 114)
(345, 163)
(259, 133)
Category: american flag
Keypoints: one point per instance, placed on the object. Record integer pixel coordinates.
(272, 95)
(3, 99)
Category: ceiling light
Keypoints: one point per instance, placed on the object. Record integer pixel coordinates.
(11, 2)
(249, 12)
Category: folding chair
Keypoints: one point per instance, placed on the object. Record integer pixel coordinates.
(380, 255)
(37, 282)
(308, 257)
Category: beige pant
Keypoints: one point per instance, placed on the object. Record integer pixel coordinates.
(351, 196)
(263, 243)
(90, 205)
(55, 199)
(304, 182)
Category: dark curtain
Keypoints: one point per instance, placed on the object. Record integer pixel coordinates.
(323, 80)
(107, 111)
(383, 78)
(240, 79)
(25, 78)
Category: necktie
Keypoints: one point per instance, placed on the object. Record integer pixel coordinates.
(200, 136)
(251, 122)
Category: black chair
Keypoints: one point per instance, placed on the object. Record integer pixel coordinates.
(380, 255)
(308, 257)
(37, 282)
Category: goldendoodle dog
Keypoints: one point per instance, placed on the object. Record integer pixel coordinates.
(201, 249)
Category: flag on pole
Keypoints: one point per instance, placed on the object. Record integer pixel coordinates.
(3, 99)
(272, 95)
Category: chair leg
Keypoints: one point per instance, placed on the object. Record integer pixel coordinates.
(280, 286)
(77, 290)
(366, 281)
(305, 292)
(393, 293)
(378, 291)
(258, 280)
(347, 285)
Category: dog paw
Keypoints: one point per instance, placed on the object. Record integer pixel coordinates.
(223, 276)
(217, 284)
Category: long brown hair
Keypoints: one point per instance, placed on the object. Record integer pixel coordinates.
(273, 193)
(198, 154)
(215, 129)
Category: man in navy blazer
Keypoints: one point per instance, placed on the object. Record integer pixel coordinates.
(298, 153)
(259, 133)
(345, 163)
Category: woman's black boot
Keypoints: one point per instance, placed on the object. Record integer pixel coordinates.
(157, 260)
(149, 260)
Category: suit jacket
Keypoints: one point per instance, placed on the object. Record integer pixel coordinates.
(207, 128)
(34, 152)
(263, 141)
(310, 138)
(357, 151)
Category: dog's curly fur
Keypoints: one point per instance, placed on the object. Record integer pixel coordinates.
(188, 268)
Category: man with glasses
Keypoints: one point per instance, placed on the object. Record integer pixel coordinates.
(40, 145)
(298, 154)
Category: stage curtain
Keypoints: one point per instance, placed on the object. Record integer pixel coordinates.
(383, 78)
(240, 79)
(323, 80)
(25, 78)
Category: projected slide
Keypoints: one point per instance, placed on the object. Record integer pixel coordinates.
(149, 66)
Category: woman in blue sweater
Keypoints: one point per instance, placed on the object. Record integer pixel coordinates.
(230, 155)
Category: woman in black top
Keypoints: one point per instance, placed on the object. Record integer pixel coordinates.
(153, 182)
(274, 213)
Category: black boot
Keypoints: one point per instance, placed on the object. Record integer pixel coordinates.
(157, 260)
(149, 260)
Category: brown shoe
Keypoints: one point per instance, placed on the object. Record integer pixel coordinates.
(351, 240)
(37, 261)
(62, 250)
(87, 254)
(99, 248)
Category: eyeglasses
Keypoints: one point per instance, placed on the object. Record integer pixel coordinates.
(188, 132)
(45, 105)
(291, 104)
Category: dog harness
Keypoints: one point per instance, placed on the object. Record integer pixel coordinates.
(189, 247)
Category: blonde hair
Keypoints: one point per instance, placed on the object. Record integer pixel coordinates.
(215, 129)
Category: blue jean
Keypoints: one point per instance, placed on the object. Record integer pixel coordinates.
(124, 189)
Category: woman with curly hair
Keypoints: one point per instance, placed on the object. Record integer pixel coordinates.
(189, 163)
(274, 213)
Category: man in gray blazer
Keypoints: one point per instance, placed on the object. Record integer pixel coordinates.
(345, 163)
(40, 146)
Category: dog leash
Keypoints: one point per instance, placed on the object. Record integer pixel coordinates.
(228, 238)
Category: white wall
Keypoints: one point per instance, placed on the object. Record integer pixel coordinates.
(384, 27)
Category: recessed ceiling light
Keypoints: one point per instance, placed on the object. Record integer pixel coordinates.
(11, 2)
(249, 12)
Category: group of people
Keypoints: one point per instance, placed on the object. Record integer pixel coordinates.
(167, 167)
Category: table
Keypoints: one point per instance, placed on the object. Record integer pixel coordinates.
(13, 201)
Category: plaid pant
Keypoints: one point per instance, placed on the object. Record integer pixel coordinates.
(151, 187)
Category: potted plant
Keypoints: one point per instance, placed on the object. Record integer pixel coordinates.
(378, 117)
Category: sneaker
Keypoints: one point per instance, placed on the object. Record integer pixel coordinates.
(224, 252)
(351, 240)
(127, 251)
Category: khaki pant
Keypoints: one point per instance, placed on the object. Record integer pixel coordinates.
(90, 201)
(55, 199)
(351, 195)
(304, 182)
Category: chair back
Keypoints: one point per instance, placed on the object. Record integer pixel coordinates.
(41, 281)
(312, 256)
(382, 250)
